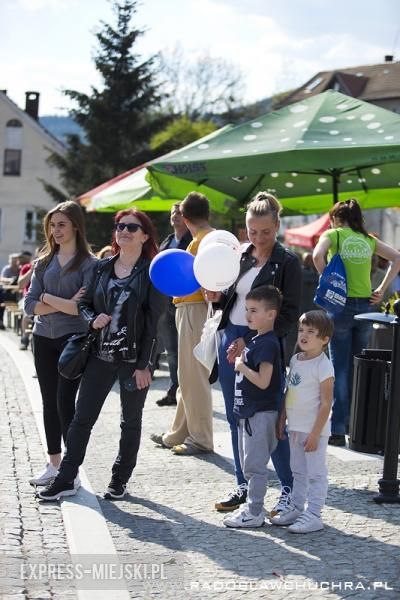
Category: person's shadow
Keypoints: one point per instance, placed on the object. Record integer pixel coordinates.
(332, 555)
(357, 501)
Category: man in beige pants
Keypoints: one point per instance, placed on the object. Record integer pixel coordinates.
(191, 430)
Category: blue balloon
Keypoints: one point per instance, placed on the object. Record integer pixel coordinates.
(171, 272)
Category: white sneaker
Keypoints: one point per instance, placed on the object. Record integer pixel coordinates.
(242, 517)
(77, 483)
(45, 477)
(287, 516)
(284, 501)
(306, 523)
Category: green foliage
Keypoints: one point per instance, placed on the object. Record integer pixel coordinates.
(117, 120)
(278, 100)
(395, 296)
(179, 133)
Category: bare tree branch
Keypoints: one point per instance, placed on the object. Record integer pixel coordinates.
(197, 88)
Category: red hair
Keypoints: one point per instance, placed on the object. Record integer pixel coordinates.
(150, 247)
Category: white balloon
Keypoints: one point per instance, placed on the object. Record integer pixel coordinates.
(219, 236)
(216, 267)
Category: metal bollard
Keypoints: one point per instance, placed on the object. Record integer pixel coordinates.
(389, 484)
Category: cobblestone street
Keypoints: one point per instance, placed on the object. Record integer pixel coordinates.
(168, 522)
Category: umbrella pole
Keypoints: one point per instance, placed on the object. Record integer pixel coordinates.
(335, 185)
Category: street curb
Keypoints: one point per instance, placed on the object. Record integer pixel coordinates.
(84, 522)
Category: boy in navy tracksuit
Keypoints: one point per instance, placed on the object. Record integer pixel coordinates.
(258, 395)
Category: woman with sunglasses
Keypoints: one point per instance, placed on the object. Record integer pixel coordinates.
(122, 305)
(65, 266)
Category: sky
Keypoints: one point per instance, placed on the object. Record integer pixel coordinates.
(48, 45)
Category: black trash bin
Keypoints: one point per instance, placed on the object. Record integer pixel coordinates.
(369, 401)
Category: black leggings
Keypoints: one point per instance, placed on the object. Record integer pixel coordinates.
(58, 393)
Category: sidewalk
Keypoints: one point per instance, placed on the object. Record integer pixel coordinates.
(168, 522)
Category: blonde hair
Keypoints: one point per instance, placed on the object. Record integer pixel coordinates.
(264, 204)
(104, 251)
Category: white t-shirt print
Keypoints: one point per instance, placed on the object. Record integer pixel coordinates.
(303, 393)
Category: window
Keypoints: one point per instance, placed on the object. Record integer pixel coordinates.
(12, 162)
(13, 148)
(313, 84)
(33, 225)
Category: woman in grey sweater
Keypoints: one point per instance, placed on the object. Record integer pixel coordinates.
(61, 274)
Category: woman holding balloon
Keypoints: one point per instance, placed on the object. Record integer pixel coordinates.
(264, 261)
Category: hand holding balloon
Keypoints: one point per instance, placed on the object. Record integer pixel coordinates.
(212, 296)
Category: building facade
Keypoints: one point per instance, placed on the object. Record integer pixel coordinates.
(378, 84)
(25, 147)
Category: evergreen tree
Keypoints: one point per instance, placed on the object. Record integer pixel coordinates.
(118, 119)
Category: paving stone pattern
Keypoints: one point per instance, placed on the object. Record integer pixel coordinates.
(168, 517)
(28, 529)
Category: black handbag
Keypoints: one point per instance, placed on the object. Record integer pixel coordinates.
(73, 358)
(75, 355)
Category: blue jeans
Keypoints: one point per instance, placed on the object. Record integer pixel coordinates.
(349, 338)
(281, 456)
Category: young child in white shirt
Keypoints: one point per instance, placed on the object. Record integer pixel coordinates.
(308, 405)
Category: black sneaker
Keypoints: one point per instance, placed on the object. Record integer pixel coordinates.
(57, 489)
(337, 439)
(234, 499)
(166, 401)
(116, 489)
(24, 343)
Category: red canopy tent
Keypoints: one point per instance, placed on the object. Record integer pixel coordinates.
(307, 236)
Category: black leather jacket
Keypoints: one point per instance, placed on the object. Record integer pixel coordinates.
(183, 242)
(283, 270)
(146, 305)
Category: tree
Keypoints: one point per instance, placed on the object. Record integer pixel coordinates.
(197, 89)
(179, 133)
(118, 119)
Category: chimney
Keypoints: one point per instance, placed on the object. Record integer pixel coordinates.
(32, 104)
(389, 58)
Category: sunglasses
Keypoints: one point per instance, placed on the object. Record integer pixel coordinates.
(131, 227)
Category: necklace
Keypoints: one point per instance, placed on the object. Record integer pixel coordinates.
(125, 269)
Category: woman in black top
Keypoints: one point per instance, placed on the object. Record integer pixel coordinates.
(264, 261)
(123, 307)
